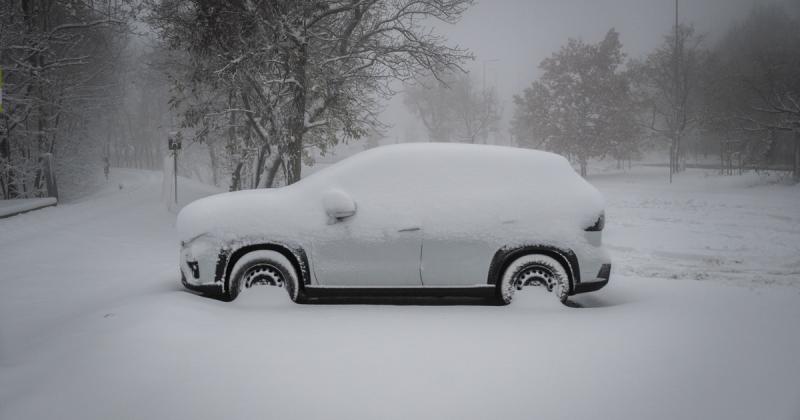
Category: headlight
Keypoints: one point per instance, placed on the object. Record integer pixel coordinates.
(599, 225)
(199, 256)
(201, 247)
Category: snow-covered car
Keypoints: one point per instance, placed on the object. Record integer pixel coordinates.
(405, 220)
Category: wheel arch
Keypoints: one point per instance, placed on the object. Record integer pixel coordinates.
(506, 255)
(295, 254)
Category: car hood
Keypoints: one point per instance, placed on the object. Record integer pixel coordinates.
(273, 212)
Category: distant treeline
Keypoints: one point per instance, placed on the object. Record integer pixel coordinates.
(738, 98)
(257, 88)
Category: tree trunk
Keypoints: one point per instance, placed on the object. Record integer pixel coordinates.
(297, 120)
(48, 172)
(212, 154)
(671, 160)
(294, 162)
(9, 179)
(231, 146)
(260, 163)
(796, 165)
(269, 158)
(271, 170)
(269, 162)
(236, 177)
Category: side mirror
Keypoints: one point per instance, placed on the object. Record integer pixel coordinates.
(338, 205)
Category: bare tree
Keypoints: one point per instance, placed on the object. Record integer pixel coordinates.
(58, 58)
(756, 91)
(669, 85)
(428, 101)
(452, 108)
(477, 111)
(305, 73)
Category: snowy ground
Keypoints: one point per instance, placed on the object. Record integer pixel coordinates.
(743, 230)
(698, 322)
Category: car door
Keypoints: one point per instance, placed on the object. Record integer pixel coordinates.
(455, 260)
(459, 244)
(375, 247)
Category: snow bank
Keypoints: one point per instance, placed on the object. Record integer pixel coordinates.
(13, 207)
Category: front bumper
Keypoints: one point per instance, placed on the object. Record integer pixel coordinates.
(206, 289)
(199, 262)
(595, 284)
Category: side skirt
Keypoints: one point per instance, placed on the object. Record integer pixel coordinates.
(487, 291)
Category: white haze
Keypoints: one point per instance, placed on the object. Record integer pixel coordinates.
(511, 37)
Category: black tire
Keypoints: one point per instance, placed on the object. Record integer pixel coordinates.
(533, 268)
(263, 264)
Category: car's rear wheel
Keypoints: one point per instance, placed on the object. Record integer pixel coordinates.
(533, 270)
(263, 267)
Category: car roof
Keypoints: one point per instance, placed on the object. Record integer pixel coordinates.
(452, 160)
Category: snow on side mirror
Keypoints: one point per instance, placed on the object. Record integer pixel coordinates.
(338, 205)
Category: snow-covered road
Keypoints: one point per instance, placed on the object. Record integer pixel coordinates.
(94, 324)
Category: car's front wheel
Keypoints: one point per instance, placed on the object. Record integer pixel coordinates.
(263, 267)
(533, 270)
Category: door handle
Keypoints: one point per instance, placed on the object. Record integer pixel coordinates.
(411, 229)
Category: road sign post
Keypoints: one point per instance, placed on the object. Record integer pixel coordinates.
(174, 143)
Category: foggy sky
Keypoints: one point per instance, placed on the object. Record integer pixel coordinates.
(519, 34)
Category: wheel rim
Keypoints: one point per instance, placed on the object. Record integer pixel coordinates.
(262, 274)
(534, 275)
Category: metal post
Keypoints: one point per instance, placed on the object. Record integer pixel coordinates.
(175, 172)
(174, 144)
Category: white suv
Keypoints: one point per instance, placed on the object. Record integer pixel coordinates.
(406, 220)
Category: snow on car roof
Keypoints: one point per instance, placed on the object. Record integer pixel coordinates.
(462, 189)
(436, 159)
(467, 177)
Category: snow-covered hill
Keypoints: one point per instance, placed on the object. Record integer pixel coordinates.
(698, 322)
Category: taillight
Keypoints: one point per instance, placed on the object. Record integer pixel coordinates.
(599, 225)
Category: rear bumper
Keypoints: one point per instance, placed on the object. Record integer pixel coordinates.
(595, 284)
